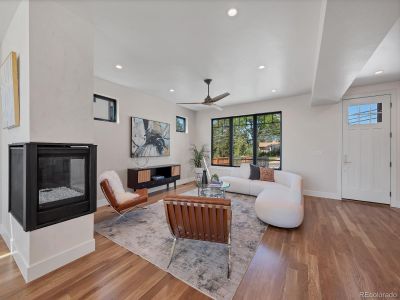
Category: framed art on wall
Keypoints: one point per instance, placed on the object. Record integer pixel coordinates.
(9, 92)
(149, 138)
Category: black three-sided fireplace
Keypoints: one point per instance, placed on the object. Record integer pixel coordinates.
(51, 183)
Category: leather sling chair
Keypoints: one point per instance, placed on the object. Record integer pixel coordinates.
(199, 218)
(122, 207)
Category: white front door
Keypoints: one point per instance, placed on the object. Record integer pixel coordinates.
(366, 149)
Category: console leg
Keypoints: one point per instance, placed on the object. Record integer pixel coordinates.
(175, 184)
(167, 186)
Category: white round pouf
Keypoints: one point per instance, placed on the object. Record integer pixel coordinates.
(280, 207)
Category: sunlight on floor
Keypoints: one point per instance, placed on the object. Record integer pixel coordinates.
(5, 255)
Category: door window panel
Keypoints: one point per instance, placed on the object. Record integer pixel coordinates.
(364, 114)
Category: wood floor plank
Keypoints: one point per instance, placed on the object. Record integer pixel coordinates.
(341, 249)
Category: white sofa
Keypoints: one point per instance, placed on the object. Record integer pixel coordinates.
(278, 203)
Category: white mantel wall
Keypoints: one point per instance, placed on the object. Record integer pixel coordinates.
(55, 50)
(61, 75)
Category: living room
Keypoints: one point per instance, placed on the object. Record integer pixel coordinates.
(106, 193)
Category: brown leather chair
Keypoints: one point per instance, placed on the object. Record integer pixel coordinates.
(199, 218)
(126, 205)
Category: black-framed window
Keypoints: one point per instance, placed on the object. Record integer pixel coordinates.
(181, 124)
(221, 145)
(253, 139)
(104, 108)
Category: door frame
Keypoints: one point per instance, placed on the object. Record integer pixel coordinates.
(393, 141)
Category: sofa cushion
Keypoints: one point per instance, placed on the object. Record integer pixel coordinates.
(257, 186)
(254, 172)
(114, 181)
(125, 197)
(267, 174)
(244, 171)
(237, 185)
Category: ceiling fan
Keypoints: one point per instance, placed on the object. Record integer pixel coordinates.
(208, 100)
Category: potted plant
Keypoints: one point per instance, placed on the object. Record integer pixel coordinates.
(215, 178)
(198, 154)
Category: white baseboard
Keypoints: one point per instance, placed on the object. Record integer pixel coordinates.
(395, 204)
(52, 263)
(103, 202)
(322, 194)
(6, 236)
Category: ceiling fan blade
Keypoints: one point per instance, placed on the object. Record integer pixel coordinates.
(216, 107)
(219, 97)
(191, 103)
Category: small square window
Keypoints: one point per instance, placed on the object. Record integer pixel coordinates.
(104, 108)
(180, 124)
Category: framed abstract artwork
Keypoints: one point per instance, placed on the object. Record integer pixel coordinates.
(9, 91)
(149, 138)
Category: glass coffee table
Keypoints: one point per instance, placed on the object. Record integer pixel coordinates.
(213, 190)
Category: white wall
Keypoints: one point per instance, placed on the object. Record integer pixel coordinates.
(393, 89)
(310, 138)
(113, 139)
(16, 39)
(55, 51)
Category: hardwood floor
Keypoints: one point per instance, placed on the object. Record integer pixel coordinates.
(343, 248)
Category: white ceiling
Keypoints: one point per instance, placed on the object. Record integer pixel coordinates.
(386, 57)
(176, 44)
(351, 32)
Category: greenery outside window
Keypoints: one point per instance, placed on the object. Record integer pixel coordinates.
(242, 140)
(180, 124)
(247, 139)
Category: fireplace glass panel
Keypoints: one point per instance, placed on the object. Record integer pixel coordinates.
(60, 178)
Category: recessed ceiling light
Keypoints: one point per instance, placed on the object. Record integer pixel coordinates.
(232, 12)
(172, 90)
(261, 67)
(274, 91)
(378, 72)
(119, 67)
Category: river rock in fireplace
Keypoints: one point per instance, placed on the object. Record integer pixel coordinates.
(55, 194)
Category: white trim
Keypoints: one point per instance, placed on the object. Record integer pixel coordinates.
(54, 262)
(102, 202)
(6, 236)
(320, 194)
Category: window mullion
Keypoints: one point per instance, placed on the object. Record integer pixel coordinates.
(231, 141)
(254, 139)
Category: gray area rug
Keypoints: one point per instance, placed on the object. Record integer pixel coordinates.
(202, 265)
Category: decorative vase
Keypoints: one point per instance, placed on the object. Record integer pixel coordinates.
(204, 180)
